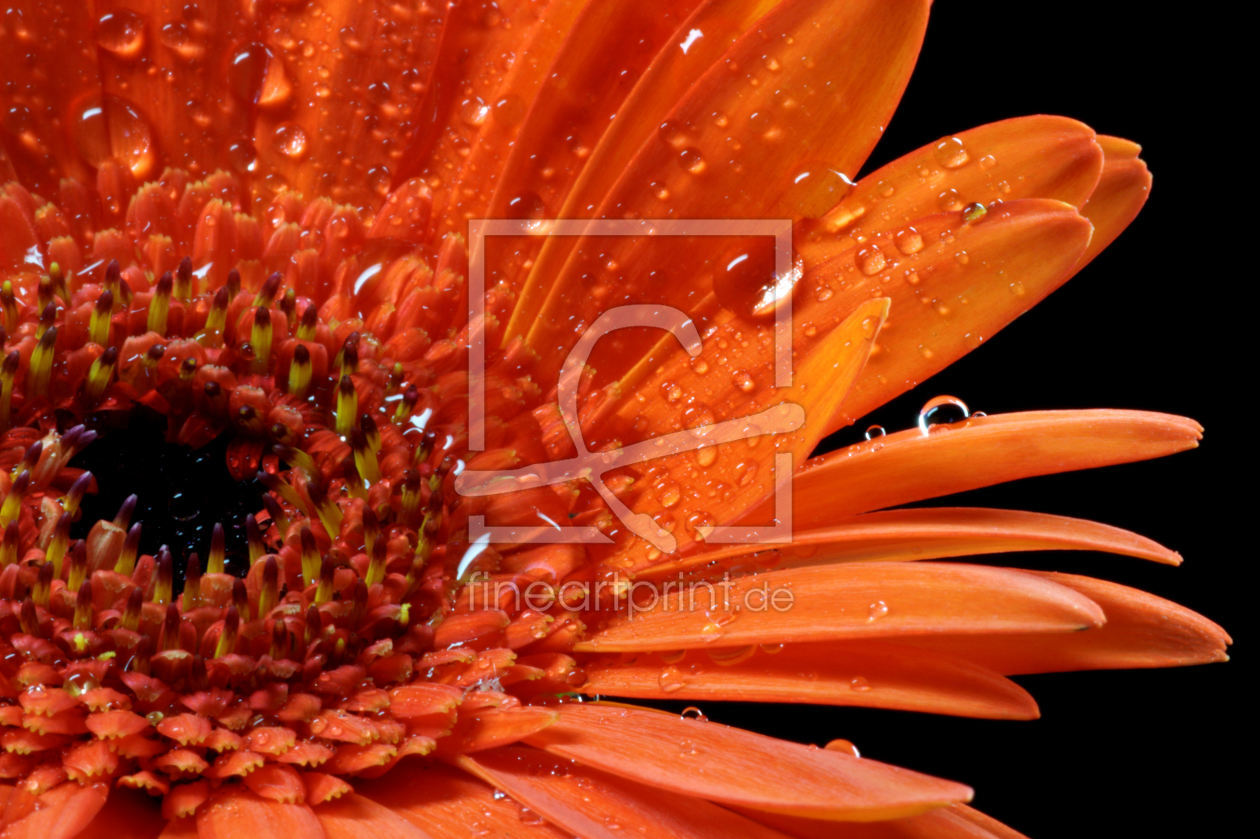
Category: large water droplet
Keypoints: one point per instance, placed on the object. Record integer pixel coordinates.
(942, 410)
(693, 713)
(871, 260)
(951, 153)
(111, 128)
(876, 610)
(291, 139)
(841, 745)
(874, 432)
(816, 189)
(692, 160)
(908, 241)
(121, 32)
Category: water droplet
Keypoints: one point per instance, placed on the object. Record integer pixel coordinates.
(871, 260)
(874, 432)
(691, 160)
(290, 139)
(527, 205)
(942, 410)
(474, 111)
(951, 153)
(706, 456)
(859, 684)
(988, 161)
(974, 212)
(671, 680)
(110, 128)
(841, 745)
(816, 189)
(876, 610)
(693, 713)
(670, 495)
(950, 200)
(675, 136)
(742, 380)
(122, 33)
(908, 241)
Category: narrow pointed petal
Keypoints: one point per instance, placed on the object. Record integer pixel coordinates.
(871, 674)
(60, 813)
(445, 802)
(936, 533)
(1122, 191)
(1142, 630)
(731, 766)
(819, 382)
(951, 294)
(235, 812)
(958, 821)
(852, 601)
(596, 805)
(911, 466)
(805, 67)
(355, 817)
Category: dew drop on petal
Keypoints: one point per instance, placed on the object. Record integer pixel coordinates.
(691, 712)
(951, 153)
(111, 128)
(671, 680)
(908, 241)
(942, 410)
(291, 139)
(841, 745)
(871, 260)
(859, 684)
(874, 432)
(876, 610)
(692, 160)
(121, 32)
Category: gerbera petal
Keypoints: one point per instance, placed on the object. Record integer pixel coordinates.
(728, 765)
(1024, 157)
(337, 125)
(910, 466)
(235, 812)
(848, 601)
(61, 812)
(48, 129)
(582, 61)
(355, 817)
(951, 294)
(127, 813)
(872, 674)
(445, 802)
(162, 69)
(1123, 189)
(596, 805)
(936, 533)
(799, 71)
(958, 821)
(1142, 630)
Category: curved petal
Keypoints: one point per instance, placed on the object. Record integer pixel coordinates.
(1141, 630)
(1122, 191)
(235, 812)
(595, 805)
(935, 533)
(958, 821)
(445, 802)
(731, 766)
(842, 602)
(871, 674)
(60, 813)
(354, 817)
(911, 466)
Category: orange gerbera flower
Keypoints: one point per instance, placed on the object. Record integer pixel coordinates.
(240, 244)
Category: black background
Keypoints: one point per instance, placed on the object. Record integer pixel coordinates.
(1147, 325)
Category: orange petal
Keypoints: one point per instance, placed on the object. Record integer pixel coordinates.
(807, 66)
(1142, 630)
(856, 600)
(936, 533)
(355, 817)
(728, 765)
(911, 466)
(49, 48)
(60, 813)
(950, 294)
(737, 380)
(958, 821)
(581, 62)
(865, 673)
(336, 124)
(596, 805)
(163, 74)
(444, 802)
(235, 812)
(127, 813)
(1120, 194)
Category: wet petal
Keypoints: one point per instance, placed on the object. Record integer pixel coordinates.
(958, 821)
(234, 812)
(850, 601)
(731, 766)
(1120, 194)
(60, 813)
(355, 817)
(871, 674)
